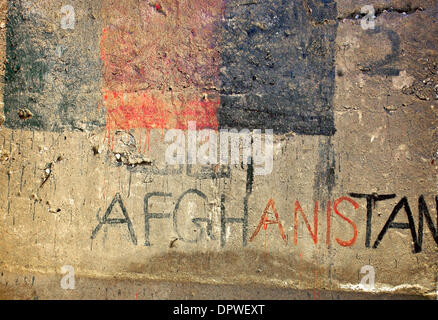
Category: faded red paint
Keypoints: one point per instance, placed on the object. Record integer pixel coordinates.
(160, 71)
(145, 110)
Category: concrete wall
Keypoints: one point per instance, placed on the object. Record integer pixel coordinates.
(84, 181)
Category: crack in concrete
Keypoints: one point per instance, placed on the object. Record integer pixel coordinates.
(355, 15)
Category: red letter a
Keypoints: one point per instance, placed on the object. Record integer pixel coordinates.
(265, 221)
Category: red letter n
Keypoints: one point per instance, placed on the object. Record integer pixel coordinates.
(315, 222)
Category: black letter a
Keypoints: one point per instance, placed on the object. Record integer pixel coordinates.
(105, 219)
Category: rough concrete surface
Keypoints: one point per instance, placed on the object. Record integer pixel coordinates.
(83, 176)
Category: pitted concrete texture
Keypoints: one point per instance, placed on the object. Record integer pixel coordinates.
(84, 180)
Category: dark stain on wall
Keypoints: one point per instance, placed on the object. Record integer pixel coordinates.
(52, 72)
(325, 171)
(278, 66)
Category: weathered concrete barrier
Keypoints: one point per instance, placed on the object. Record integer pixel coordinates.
(96, 91)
